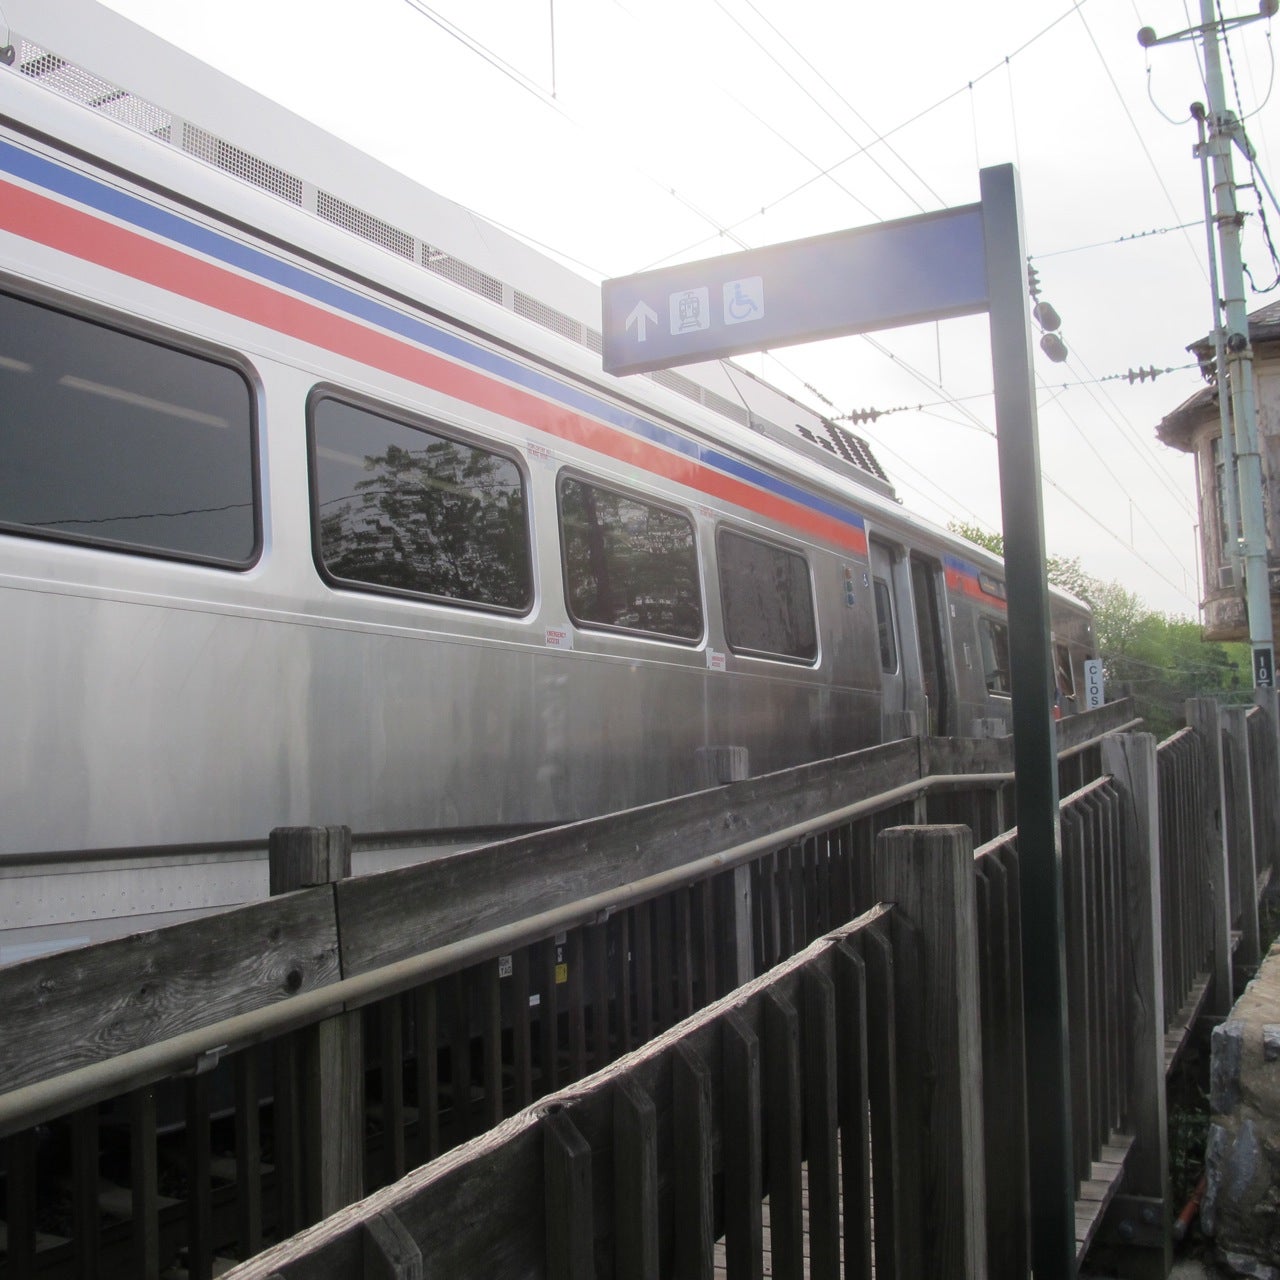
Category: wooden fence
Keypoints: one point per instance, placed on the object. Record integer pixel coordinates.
(227, 1082)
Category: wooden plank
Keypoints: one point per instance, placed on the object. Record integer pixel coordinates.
(892, 1249)
(664, 960)
(743, 1157)
(598, 983)
(569, 1214)
(395, 914)
(1203, 716)
(88, 1004)
(1131, 760)
(783, 1126)
(333, 1113)
(427, 1067)
(491, 1041)
(84, 1192)
(248, 1153)
(821, 1117)
(705, 892)
(302, 857)
(683, 947)
(626, 969)
(199, 1186)
(928, 873)
(391, 1053)
(1242, 839)
(643, 938)
(635, 1182)
(549, 1019)
(20, 1203)
(286, 1128)
(144, 1178)
(458, 986)
(692, 1178)
(390, 1252)
(852, 1087)
(576, 998)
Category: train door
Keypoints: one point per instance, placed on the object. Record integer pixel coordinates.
(925, 574)
(893, 692)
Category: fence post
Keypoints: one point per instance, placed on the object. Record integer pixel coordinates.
(1202, 716)
(332, 1137)
(1130, 758)
(928, 873)
(718, 766)
(1241, 837)
(1268, 783)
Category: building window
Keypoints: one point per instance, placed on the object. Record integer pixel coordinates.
(403, 508)
(122, 441)
(767, 599)
(629, 564)
(994, 639)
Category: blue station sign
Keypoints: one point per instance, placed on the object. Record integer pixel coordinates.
(893, 273)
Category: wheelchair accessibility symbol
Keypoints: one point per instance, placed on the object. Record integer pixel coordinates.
(744, 300)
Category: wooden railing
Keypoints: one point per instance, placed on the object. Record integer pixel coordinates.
(227, 1082)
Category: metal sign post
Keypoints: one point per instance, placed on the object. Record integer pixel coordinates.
(956, 262)
(1035, 753)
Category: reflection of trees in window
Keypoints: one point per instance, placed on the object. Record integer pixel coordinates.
(884, 625)
(995, 654)
(629, 564)
(424, 514)
(768, 603)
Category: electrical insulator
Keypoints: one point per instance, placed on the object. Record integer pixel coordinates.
(863, 415)
(1033, 281)
(1046, 316)
(1054, 347)
(1141, 375)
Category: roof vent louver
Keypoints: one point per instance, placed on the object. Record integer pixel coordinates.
(462, 273)
(365, 225)
(243, 164)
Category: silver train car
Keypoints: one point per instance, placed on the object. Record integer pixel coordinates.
(316, 507)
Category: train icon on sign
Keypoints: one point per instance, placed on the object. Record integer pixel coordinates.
(690, 310)
(744, 300)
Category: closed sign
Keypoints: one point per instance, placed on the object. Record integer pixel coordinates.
(1094, 693)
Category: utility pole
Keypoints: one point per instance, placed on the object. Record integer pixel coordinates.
(1230, 313)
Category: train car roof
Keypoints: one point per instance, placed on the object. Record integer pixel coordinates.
(75, 45)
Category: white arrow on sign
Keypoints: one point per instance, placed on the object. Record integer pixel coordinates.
(641, 314)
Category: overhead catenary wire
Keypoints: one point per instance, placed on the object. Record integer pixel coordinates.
(728, 231)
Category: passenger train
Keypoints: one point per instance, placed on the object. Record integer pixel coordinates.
(316, 507)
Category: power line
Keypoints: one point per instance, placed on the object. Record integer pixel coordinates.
(1125, 239)
(879, 137)
(1137, 133)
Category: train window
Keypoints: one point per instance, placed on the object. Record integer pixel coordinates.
(122, 441)
(629, 565)
(767, 598)
(1063, 677)
(884, 622)
(995, 654)
(403, 509)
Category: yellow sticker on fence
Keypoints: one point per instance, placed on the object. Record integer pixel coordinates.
(562, 974)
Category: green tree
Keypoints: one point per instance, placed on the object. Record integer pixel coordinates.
(1062, 571)
(1158, 659)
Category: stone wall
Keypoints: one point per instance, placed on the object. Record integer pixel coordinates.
(1241, 1208)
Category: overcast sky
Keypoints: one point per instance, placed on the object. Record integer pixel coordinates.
(624, 134)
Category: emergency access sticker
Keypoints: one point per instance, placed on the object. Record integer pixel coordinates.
(715, 661)
(559, 638)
